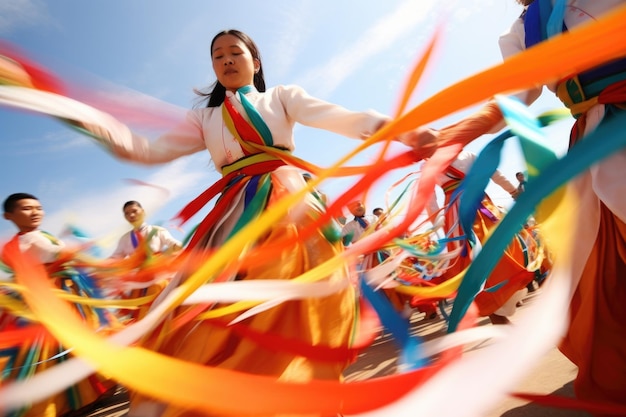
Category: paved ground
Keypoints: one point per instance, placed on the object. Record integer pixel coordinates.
(553, 375)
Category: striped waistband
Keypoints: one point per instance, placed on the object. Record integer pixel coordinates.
(247, 161)
(580, 95)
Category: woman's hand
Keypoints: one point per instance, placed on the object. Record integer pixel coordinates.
(423, 141)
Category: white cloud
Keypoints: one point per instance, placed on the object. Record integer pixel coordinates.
(379, 37)
(53, 142)
(21, 14)
(175, 54)
(295, 26)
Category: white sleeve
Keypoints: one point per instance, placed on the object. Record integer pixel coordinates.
(313, 112)
(466, 159)
(116, 136)
(348, 228)
(503, 182)
(511, 43)
(122, 248)
(43, 248)
(184, 139)
(167, 240)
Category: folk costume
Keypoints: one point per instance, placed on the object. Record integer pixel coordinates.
(506, 284)
(157, 238)
(351, 232)
(596, 338)
(154, 241)
(355, 228)
(241, 136)
(27, 348)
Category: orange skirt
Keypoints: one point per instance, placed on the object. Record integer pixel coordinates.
(327, 321)
(509, 275)
(596, 338)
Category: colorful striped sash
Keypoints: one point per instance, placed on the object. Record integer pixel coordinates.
(579, 98)
(456, 176)
(578, 92)
(248, 174)
(245, 123)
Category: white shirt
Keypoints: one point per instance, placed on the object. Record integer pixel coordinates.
(160, 241)
(578, 12)
(606, 178)
(354, 228)
(40, 245)
(281, 108)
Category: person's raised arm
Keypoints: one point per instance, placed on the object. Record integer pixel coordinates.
(173, 245)
(488, 119)
(504, 183)
(313, 112)
(184, 139)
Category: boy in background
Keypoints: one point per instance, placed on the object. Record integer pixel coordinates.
(26, 212)
(158, 239)
(42, 351)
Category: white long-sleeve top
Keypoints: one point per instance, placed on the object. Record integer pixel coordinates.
(606, 177)
(281, 108)
(577, 13)
(160, 239)
(354, 229)
(40, 245)
(601, 182)
(464, 162)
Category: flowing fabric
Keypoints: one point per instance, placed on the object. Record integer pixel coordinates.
(28, 348)
(179, 382)
(515, 268)
(327, 321)
(596, 339)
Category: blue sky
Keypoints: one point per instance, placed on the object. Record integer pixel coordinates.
(354, 53)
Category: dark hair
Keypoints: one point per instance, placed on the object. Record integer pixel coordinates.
(131, 203)
(377, 209)
(11, 201)
(216, 96)
(525, 2)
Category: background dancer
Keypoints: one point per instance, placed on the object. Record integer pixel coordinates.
(37, 349)
(595, 340)
(150, 241)
(510, 275)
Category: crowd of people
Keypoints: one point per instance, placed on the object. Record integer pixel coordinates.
(247, 128)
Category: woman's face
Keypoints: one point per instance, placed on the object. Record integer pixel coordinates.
(233, 63)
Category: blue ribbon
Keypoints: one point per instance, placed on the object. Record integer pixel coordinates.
(555, 21)
(255, 116)
(411, 356)
(607, 139)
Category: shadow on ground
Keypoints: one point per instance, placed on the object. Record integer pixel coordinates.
(532, 409)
